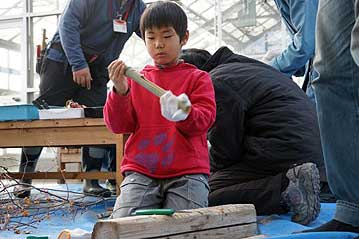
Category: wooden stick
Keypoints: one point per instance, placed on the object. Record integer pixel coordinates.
(140, 79)
(152, 87)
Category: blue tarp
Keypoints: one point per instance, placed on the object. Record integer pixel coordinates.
(273, 226)
(280, 226)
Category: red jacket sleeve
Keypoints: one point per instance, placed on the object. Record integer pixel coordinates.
(203, 111)
(119, 115)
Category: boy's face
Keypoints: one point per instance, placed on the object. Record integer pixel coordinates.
(164, 45)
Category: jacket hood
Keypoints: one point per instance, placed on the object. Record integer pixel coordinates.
(221, 56)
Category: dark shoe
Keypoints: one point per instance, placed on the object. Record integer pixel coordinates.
(93, 188)
(302, 193)
(22, 191)
(27, 164)
(334, 225)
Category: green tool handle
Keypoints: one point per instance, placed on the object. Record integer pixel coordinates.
(161, 211)
(37, 237)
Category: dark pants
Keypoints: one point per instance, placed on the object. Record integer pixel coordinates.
(245, 185)
(56, 87)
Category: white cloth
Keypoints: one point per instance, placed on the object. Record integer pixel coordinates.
(169, 106)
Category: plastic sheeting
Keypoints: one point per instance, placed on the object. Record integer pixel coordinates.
(273, 226)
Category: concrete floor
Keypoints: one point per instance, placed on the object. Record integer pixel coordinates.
(10, 158)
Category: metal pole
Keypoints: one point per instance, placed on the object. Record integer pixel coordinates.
(218, 23)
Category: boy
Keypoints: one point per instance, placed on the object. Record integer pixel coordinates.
(166, 162)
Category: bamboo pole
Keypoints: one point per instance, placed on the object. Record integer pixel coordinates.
(152, 87)
(140, 79)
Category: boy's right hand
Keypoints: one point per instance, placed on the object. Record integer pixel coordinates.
(116, 72)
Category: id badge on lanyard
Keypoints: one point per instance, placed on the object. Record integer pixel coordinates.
(119, 25)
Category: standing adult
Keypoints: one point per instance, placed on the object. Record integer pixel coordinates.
(299, 16)
(91, 34)
(337, 94)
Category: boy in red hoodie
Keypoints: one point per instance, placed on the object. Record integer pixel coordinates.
(166, 162)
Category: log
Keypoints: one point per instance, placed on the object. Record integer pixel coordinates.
(228, 221)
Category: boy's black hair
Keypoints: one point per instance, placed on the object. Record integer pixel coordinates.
(194, 56)
(164, 14)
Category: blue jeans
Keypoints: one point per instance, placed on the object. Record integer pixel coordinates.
(310, 89)
(337, 94)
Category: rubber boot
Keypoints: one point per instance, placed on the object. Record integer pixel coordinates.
(93, 188)
(28, 161)
(111, 185)
(92, 162)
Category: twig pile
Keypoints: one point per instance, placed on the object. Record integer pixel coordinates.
(24, 215)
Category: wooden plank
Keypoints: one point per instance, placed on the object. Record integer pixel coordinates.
(70, 158)
(52, 123)
(57, 137)
(203, 221)
(60, 175)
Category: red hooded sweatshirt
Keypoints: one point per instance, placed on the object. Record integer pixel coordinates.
(157, 147)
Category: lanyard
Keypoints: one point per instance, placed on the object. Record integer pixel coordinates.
(127, 12)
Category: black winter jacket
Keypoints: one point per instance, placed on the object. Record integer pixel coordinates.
(264, 120)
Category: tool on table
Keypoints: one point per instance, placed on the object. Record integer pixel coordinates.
(37, 104)
(44, 103)
(152, 87)
(40, 104)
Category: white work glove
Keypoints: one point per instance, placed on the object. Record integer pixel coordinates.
(169, 106)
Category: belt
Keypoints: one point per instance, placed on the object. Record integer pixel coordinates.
(90, 58)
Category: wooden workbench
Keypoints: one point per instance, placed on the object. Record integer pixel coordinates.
(62, 132)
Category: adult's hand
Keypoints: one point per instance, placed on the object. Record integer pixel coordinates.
(82, 77)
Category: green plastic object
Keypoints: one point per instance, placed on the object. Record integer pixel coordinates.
(37, 237)
(162, 211)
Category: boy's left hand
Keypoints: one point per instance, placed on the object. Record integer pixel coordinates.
(169, 106)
